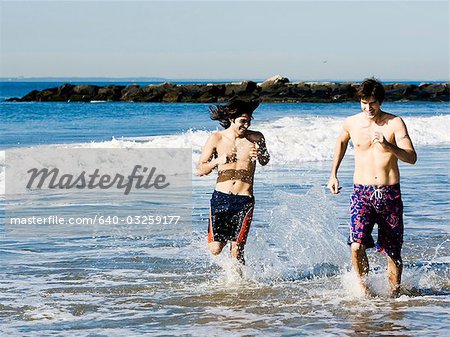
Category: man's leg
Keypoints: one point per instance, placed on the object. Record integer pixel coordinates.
(360, 237)
(395, 268)
(390, 235)
(360, 264)
(241, 227)
(237, 252)
(218, 229)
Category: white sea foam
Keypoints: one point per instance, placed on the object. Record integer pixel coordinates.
(289, 139)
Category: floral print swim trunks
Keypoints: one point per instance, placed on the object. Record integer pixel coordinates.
(381, 205)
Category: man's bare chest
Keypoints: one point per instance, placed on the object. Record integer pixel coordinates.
(241, 147)
(362, 137)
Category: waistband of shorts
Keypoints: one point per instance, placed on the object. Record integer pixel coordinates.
(234, 196)
(377, 187)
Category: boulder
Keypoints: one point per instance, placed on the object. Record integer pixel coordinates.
(173, 93)
(190, 92)
(302, 89)
(434, 90)
(109, 93)
(319, 90)
(245, 87)
(273, 83)
(86, 90)
(31, 96)
(342, 92)
(210, 93)
(276, 79)
(50, 95)
(131, 93)
(396, 91)
(66, 89)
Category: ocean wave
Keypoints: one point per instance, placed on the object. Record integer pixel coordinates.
(290, 139)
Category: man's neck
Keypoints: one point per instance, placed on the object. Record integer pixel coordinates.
(377, 118)
(232, 135)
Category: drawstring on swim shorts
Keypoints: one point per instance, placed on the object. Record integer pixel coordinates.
(377, 194)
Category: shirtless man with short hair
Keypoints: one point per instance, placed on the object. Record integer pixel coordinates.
(234, 151)
(380, 139)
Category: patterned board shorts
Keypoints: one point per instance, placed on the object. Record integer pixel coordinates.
(382, 205)
(230, 217)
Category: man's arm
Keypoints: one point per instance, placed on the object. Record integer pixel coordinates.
(403, 149)
(339, 152)
(206, 163)
(262, 154)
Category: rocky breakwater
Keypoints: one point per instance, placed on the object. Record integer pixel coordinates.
(274, 89)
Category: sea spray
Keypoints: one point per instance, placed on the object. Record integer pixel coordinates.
(301, 240)
(303, 229)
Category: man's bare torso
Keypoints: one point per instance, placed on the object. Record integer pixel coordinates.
(373, 164)
(236, 176)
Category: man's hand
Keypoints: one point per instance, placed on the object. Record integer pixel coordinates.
(333, 185)
(378, 137)
(254, 152)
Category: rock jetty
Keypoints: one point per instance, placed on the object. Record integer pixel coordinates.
(274, 89)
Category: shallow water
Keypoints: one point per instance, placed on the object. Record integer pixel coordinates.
(297, 280)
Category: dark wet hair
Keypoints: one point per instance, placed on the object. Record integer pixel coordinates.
(371, 87)
(232, 110)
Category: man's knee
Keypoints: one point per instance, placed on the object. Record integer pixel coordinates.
(395, 260)
(235, 252)
(357, 248)
(215, 248)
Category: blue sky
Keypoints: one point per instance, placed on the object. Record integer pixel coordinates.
(301, 40)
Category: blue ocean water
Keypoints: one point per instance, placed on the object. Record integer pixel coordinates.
(28, 124)
(298, 279)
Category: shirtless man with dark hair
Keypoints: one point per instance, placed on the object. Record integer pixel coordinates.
(234, 151)
(380, 139)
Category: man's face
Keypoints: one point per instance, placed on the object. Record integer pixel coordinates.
(370, 106)
(241, 123)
